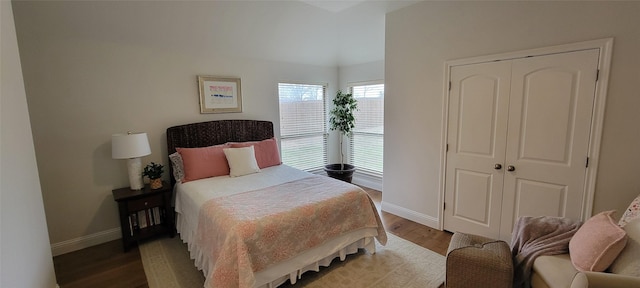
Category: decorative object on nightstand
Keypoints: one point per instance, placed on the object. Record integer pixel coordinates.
(154, 172)
(145, 213)
(131, 146)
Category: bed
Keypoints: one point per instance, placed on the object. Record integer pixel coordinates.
(268, 225)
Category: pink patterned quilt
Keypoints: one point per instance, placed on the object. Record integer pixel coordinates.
(247, 232)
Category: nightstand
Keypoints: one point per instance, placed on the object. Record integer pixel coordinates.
(145, 213)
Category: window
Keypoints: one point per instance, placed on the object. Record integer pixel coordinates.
(303, 125)
(368, 135)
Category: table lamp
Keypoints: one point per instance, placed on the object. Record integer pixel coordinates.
(131, 146)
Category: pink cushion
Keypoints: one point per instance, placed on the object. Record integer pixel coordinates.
(204, 162)
(266, 151)
(597, 243)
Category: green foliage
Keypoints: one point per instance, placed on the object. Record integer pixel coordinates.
(341, 116)
(153, 170)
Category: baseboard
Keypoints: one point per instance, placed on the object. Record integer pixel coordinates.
(367, 181)
(85, 241)
(410, 215)
(360, 179)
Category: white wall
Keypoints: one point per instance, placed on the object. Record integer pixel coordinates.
(96, 68)
(365, 72)
(420, 38)
(25, 255)
(347, 76)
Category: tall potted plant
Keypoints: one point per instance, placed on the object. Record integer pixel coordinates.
(341, 118)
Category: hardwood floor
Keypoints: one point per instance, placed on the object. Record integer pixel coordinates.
(427, 237)
(105, 265)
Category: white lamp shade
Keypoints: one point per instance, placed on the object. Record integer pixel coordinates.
(126, 146)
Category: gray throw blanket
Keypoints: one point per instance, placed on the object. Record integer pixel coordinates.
(538, 236)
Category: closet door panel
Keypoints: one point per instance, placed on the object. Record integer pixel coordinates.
(539, 198)
(550, 111)
(476, 136)
(547, 116)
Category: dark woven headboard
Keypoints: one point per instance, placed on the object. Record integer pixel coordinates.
(216, 132)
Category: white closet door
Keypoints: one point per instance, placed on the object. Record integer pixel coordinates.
(532, 118)
(550, 113)
(478, 111)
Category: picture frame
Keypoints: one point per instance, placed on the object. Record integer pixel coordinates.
(219, 94)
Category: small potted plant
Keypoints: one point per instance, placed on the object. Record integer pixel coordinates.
(342, 119)
(154, 172)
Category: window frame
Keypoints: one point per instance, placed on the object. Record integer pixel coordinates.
(350, 152)
(324, 134)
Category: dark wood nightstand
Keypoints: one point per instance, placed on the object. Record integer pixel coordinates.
(145, 213)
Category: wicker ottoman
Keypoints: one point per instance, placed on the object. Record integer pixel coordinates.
(476, 261)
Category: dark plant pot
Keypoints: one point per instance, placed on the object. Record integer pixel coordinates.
(334, 171)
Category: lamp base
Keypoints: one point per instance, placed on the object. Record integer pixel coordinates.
(134, 165)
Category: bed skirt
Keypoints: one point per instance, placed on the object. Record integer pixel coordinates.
(310, 260)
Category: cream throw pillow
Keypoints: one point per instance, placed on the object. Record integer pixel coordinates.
(242, 161)
(628, 262)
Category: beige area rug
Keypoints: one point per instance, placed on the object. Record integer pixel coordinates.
(398, 264)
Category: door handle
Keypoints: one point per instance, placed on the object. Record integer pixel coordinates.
(511, 168)
(498, 166)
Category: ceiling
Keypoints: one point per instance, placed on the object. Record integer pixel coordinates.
(334, 6)
(341, 5)
(325, 33)
(360, 28)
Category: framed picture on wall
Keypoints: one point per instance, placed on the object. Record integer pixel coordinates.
(219, 95)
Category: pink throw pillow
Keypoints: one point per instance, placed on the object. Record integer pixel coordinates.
(597, 243)
(204, 162)
(267, 153)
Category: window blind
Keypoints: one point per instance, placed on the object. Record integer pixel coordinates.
(303, 125)
(367, 141)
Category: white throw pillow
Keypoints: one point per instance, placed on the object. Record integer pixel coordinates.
(242, 161)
